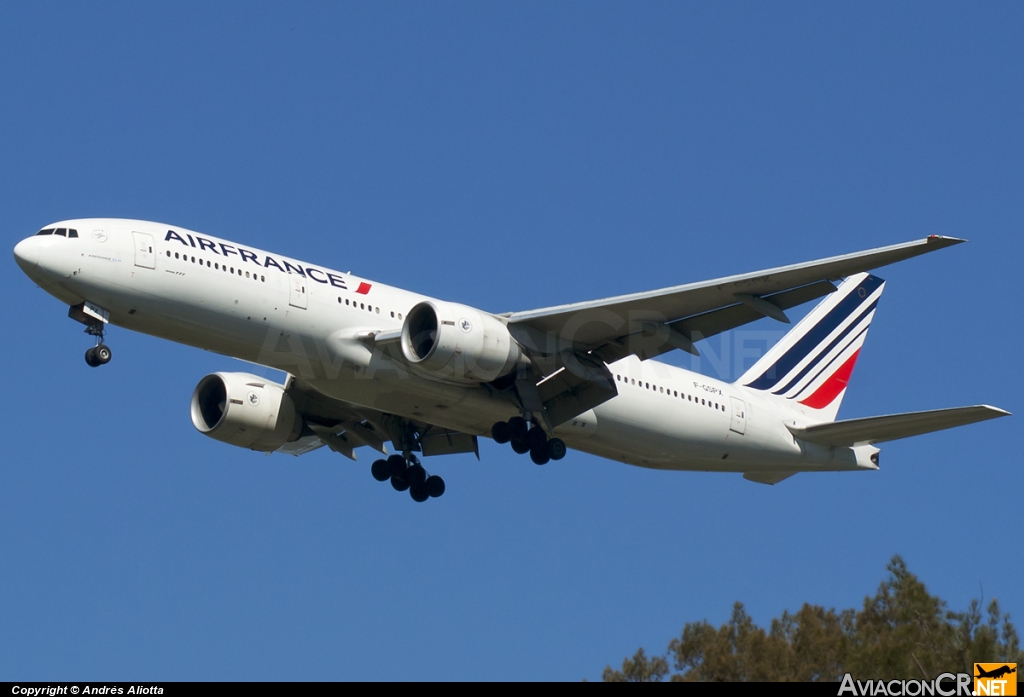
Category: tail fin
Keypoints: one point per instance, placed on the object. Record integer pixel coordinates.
(811, 365)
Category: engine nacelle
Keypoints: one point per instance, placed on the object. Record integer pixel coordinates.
(245, 410)
(458, 342)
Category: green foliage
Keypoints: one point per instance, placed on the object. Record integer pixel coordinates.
(902, 632)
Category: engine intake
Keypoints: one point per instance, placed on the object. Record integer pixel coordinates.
(458, 342)
(245, 410)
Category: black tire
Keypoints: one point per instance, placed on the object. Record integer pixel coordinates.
(418, 492)
(536, 438)
(517, 428)
(539, 456)
(501, 432)
(397, 465)
(400, 481)
(103, 354)
(556, 448)
(90, 358)
(417, 475)
(380, 470)
(520, 446)
(434, 486)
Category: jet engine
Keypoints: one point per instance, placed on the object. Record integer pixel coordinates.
(458, 342)
(245, 410)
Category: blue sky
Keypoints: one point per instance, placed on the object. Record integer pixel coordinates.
(507, 156)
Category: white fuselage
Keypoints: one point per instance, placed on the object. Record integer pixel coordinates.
(305, 319)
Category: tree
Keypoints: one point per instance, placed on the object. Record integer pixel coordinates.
(901, 632)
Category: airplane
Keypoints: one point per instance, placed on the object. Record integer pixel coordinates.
(995, 672)
(367, 364)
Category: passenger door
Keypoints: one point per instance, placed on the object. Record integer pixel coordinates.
(145, 257)
(738, 423)
(297, 290)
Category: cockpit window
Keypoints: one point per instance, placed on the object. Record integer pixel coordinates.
(62, 231)
(72, 233)
(46, 231)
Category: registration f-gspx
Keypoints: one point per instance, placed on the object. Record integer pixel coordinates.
(369, 364)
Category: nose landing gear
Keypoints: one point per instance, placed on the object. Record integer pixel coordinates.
(100, 353)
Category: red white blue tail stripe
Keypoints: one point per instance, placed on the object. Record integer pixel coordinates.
(812, 364)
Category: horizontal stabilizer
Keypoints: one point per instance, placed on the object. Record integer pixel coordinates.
(878, 429)
(767, 477)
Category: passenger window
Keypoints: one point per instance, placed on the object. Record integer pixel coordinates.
(674, 393)
(247, 274)
(168, 253)
(47, 231)
(399, 315)
(263, 279)
(63, 232)
(346, 301)
(392, 313)
(72, 233)
(377, 310)
(362, 306)
(176, 255)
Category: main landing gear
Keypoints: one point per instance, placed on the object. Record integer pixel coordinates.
(406, 473)
(100, 353)
(528, 439)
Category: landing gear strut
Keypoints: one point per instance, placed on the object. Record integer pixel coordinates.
(100, 353)
(406, 473)
(528, 439)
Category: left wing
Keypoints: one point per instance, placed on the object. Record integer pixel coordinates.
(344, 427)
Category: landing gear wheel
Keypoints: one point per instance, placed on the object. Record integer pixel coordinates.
(539, 456)
(556, 448)
(400, 481)
(434, 486)
(501, 432)
(380, 470)
(417, 475)
(397, 465)
(102, 354)
(536, 438)
(418, 492)
(517, 428)
(520, 446)
(90, 358)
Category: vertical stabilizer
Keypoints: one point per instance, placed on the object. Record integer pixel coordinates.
(811, 365)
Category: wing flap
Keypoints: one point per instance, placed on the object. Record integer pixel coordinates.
(879, 429)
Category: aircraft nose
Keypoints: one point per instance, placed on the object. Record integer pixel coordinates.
(26, 253)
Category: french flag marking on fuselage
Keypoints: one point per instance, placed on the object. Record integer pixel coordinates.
(811, 365)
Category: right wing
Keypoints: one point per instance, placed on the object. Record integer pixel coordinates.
(570, 345)
(650, 323)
